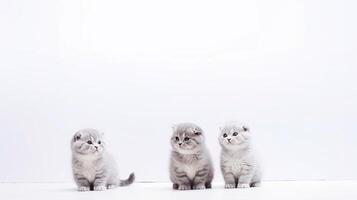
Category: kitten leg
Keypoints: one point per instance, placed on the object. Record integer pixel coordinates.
(182, 182)
(208, 185)
(199, 182)
(245, 179)
(229, 179)
(100, 181)
(82, 182)
(256, 180)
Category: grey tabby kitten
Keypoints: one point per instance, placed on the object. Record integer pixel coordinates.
(93, 167)
(190, 164)
(238, 163)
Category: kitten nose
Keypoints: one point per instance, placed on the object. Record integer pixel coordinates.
(96, 147)
(180, 143)
(229, 139)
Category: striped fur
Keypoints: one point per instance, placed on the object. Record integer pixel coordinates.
(190, 163)
(93, 167)
(239, 165)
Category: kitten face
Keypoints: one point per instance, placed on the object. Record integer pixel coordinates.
(187, 138)
(88, 142)
(234, 137)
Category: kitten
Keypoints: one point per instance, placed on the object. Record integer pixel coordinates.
(93, 167)
(190, 165)
(238, 163)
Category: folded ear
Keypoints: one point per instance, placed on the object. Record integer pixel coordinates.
(197, 131)
(245, 128)
(77, 136)
(174, 127)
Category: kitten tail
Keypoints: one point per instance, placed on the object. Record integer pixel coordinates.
(128, 181)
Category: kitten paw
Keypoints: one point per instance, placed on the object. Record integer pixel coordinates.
(99, 188)
(83, 188)
(175, 186)
(257, 184)
(229, 185)
(184, 187)
(199, 187)
(243, 185)
(112, 186)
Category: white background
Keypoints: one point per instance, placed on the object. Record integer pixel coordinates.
(132, 68)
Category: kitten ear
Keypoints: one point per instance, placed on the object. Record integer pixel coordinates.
(174, 127)
(245, 128)
(197, 131)
(77, 136)
(221, 128)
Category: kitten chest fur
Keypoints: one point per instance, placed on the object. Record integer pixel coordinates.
(236, 163)
(190, 170)
(190, 164)
(88, 167)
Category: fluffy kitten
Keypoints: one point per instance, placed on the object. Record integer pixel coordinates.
(238, 163)
(93, 167)
(190, 166)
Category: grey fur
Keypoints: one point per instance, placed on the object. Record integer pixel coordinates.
(190, 163)
(93, 167)
(239, 165)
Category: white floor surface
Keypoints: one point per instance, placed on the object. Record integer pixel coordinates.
(284, 190)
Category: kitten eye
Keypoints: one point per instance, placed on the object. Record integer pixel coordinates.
(99, 142)
(186, 138)
(177, 138)
(235, 134)
(89, 142)
(225, 135)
